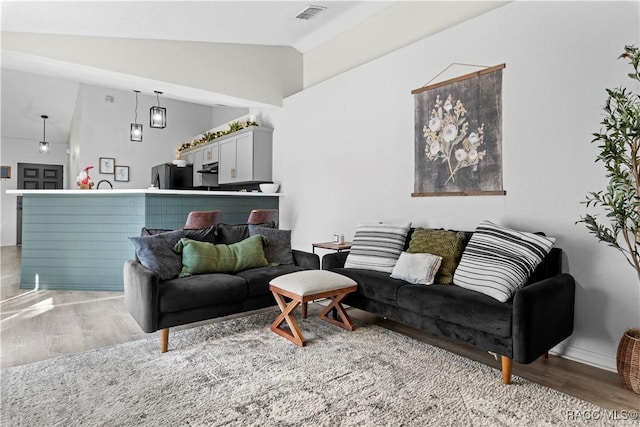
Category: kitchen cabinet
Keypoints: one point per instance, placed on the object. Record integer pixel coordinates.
(188, 157)
(246, 156)
(210, 153)
(197, 165)
(243, 156)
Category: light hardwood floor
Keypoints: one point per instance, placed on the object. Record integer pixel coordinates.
(38, 325)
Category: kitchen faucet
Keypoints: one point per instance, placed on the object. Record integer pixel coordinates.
(104, 180)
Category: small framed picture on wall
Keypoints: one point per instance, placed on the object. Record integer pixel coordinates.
(122, 173)
(107, 164)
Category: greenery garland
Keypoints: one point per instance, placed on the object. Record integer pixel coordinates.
(210, 136)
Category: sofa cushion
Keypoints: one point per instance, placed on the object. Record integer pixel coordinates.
(277, 248)
(445, 243)
(376, 285)
(377, 246)
(151, 231)
(457, 305)
(419, 269)
(156, 253)
(200, 290)
(258, 278)
(202, 257)
(234, 233)
(498, 261)
(206, 234)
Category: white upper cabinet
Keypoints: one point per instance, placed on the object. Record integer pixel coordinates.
(210, 153)
(246, 156)
(197, 165)
(243, 156)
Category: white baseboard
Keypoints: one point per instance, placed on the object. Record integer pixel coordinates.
(598, 360)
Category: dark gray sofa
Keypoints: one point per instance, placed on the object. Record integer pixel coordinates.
(539, 315)
(161, 304)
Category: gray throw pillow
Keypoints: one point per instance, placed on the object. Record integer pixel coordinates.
(228, 234)
(151, 231)
(156, 253)
(278, 246)
(207, 234)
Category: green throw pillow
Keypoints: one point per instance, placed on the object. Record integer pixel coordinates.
(202, 257)
(447, 244)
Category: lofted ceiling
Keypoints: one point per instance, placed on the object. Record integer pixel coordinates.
(29, 90)
(245, 22)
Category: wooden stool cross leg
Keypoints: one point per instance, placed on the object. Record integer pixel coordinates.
(336, 300)
(294, 334)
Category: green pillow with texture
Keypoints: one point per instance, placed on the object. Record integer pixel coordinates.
(447, 244)
(203, 257)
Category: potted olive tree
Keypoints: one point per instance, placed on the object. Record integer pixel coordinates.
(619, 145)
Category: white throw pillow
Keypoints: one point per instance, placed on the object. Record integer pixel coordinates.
(377, 246)
(417, 268)
(498, 261)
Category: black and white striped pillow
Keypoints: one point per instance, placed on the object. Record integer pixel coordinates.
(498, 261)
(377, 246)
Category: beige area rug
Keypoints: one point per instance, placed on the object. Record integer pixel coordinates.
(239, 373)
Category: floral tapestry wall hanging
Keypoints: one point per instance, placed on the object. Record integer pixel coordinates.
(458, 136)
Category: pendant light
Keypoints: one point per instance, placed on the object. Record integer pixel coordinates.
(44, 145)
(157, 114)
(136, 128)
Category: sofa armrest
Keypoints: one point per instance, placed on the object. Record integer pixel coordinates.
(306, 259)
(141, 293)
(542, 316)
(334, 260)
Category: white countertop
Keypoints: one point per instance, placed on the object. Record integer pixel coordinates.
(145, 191)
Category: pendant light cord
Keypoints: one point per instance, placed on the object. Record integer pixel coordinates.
(44, 127)
(135, 120)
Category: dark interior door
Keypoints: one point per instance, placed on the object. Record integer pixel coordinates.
(36, 176)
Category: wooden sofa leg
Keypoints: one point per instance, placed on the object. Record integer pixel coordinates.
(507, 363)
(546, 355)
(164, 340)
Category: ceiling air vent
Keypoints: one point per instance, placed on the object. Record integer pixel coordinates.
(310, 11)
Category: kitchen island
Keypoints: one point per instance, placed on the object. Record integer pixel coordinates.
(79, 239)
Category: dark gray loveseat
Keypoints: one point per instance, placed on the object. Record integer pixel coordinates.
(158, 304)
(539, 315)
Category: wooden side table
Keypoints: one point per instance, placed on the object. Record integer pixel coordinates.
(332, 246)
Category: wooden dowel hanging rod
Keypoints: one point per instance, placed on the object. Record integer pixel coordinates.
(459, 78)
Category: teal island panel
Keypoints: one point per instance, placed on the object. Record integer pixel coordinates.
(81, 242)
(78, 242)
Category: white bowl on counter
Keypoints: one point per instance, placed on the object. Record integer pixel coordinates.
(269, 188)
(180, 163)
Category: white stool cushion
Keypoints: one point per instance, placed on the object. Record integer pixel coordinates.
(311, 282)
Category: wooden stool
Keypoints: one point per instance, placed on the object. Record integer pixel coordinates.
(304, 286)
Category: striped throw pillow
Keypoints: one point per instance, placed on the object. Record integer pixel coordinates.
(377, 246)
(498, 261)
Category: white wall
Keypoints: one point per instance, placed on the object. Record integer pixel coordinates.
(104, 132)
(343, 150)
(16, 151)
